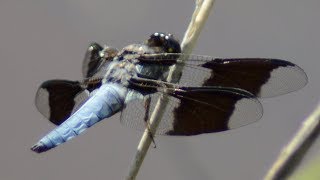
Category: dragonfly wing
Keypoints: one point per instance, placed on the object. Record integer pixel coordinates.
(58, 99)
(192, 111)
(92, 60)
(260, 76)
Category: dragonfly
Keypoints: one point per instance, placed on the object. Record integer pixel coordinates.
(205, 95)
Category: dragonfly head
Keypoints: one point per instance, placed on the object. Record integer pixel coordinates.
(165, 42)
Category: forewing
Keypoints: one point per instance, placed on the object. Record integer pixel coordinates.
(58, 99)
(260, 76)
(195, 111)
(92, 61)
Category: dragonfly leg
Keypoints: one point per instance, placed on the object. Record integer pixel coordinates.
(146, 118)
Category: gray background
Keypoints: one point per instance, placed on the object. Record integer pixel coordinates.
(42, 39)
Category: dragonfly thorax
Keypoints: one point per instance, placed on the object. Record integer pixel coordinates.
(126, 65)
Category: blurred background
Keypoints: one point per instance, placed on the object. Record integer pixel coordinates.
(42, 39)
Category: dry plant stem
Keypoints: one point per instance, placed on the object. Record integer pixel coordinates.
(198, 20)
(294, 151)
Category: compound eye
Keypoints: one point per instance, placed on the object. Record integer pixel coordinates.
(165, 41)
(172, 45)
(156, 40)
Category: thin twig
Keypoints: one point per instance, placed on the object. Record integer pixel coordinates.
(198, 20)
(294, 151)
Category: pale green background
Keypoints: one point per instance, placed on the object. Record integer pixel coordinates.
(42, 39)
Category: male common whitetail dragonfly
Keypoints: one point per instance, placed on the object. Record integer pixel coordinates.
(209, 94)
